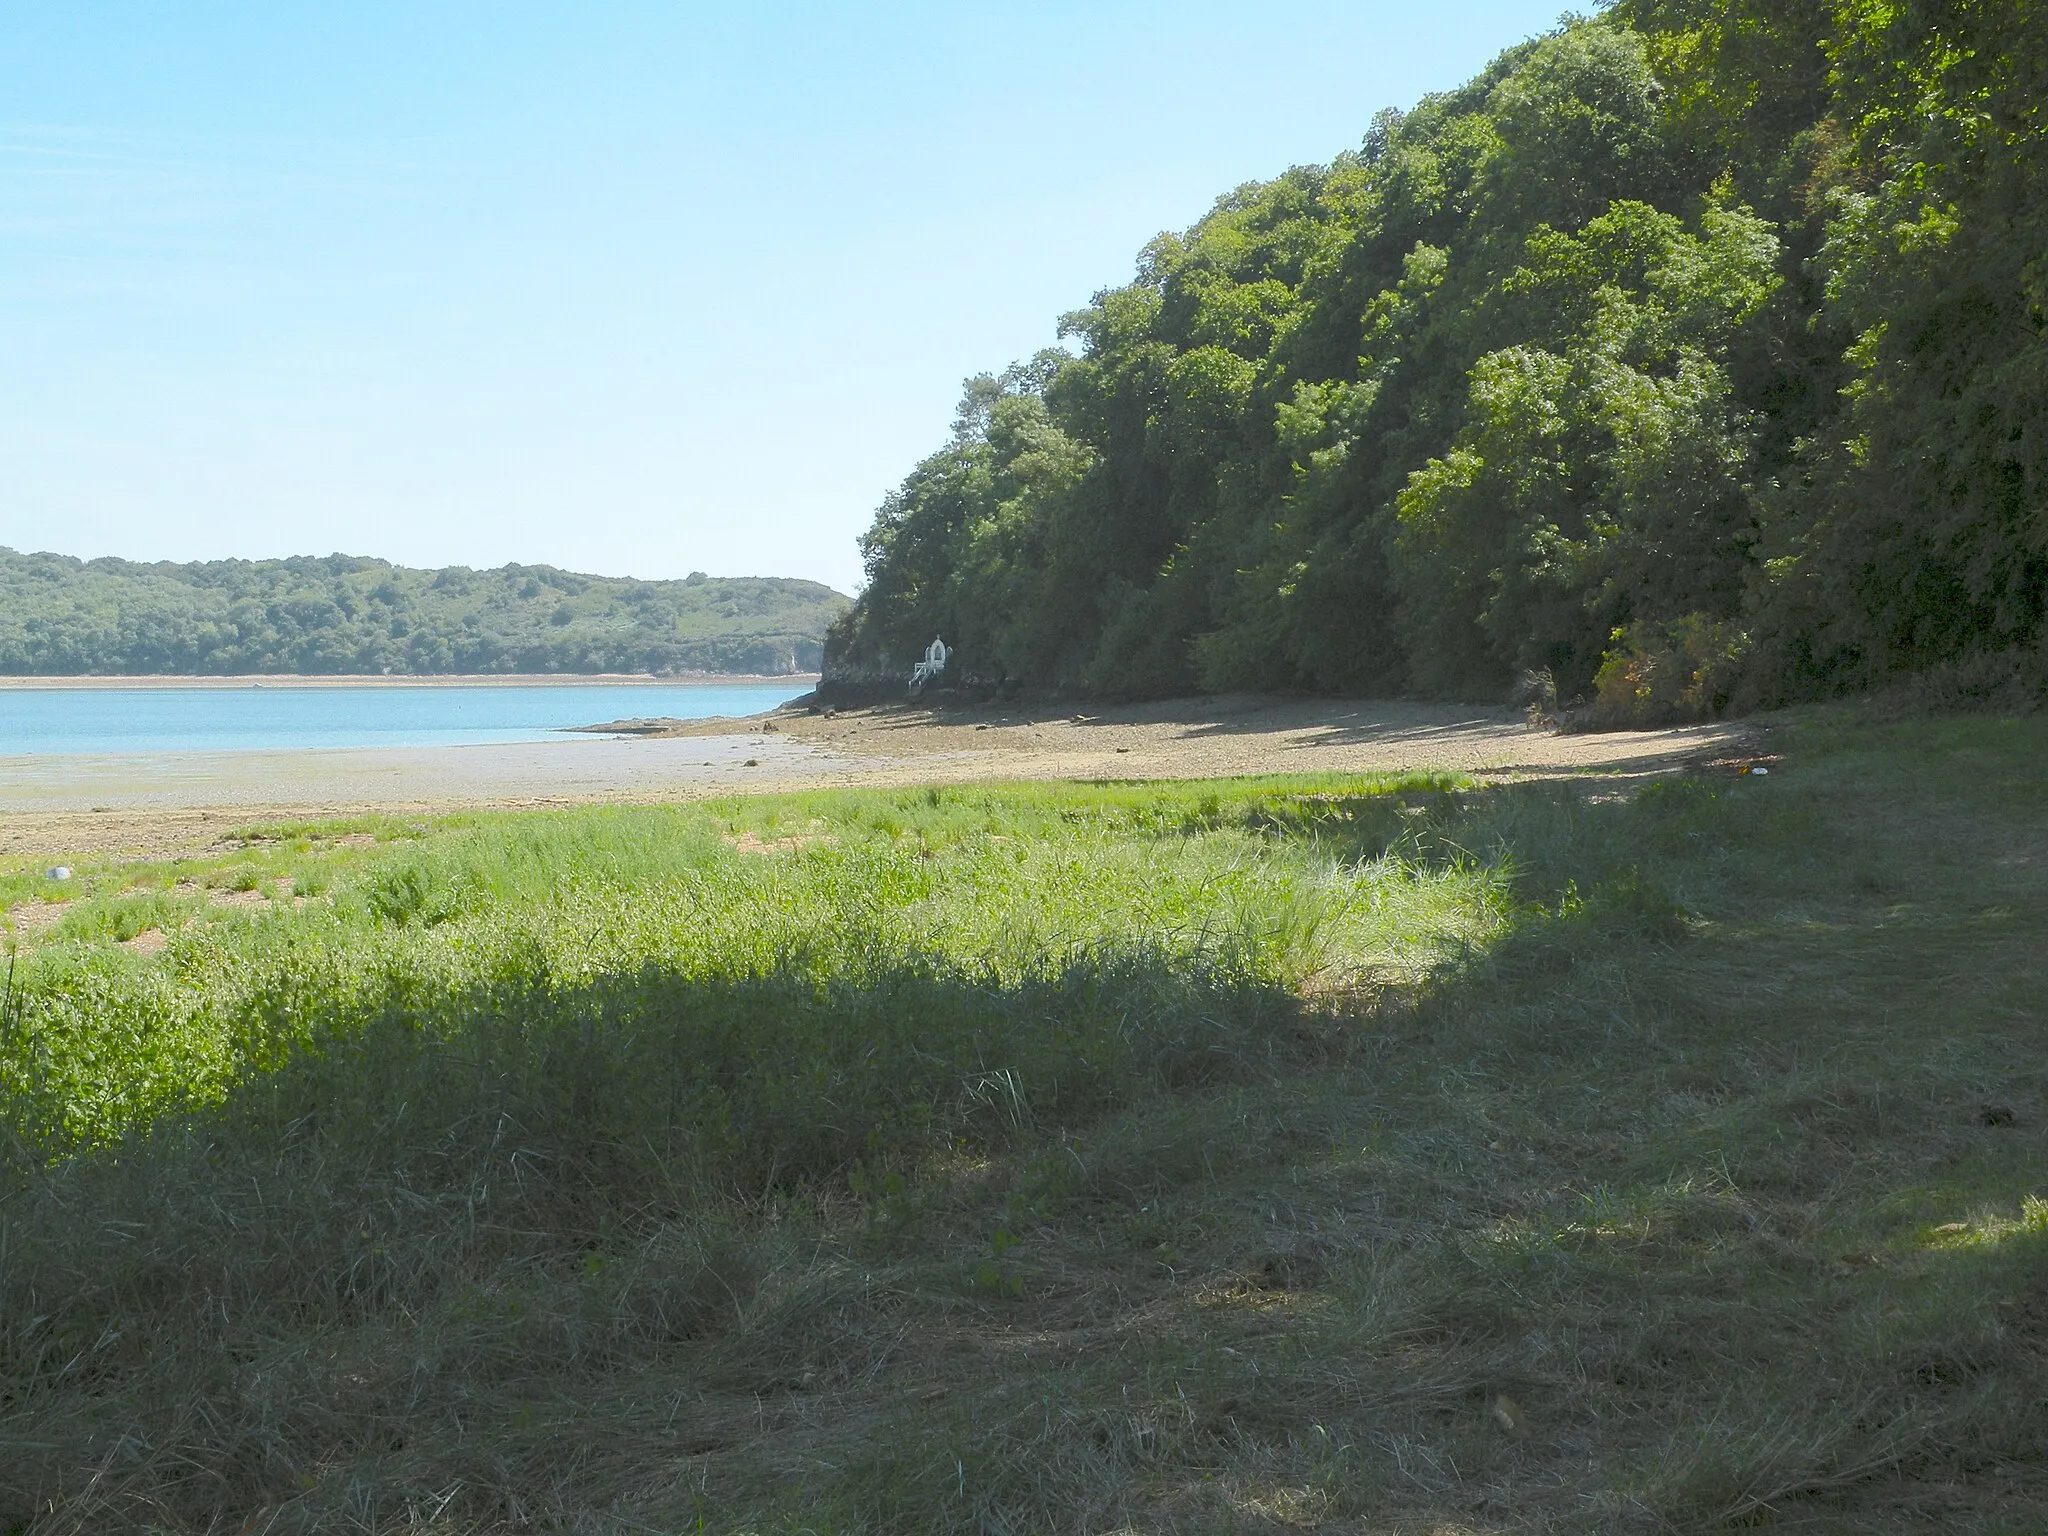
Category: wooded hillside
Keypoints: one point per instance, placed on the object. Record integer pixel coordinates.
(1693, 354)
(341, 614)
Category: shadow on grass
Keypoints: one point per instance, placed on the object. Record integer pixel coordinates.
(434, 1201)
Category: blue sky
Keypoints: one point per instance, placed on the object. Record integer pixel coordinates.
(625, 287)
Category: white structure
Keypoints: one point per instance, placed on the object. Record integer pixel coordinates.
(933, 664)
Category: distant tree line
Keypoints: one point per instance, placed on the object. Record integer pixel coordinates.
(1694, 353)
(341, 614)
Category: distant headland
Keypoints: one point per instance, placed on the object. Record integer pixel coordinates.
(345, 617)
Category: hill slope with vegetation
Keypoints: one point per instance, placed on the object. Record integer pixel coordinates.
(1693, 354)
(342, 614)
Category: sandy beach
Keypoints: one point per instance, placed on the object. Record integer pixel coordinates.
(163, 802)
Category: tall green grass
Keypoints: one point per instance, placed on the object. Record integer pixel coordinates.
(597, 932)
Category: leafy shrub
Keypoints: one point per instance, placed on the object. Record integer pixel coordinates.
(1660, 673)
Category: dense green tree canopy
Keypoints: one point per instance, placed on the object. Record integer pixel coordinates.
(63, 617)
(1694, 351)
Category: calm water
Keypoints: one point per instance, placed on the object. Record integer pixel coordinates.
(37, 721)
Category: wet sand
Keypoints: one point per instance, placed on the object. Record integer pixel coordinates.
(54, 805)
(154, 803)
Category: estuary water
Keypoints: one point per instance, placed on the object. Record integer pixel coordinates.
(280, 717)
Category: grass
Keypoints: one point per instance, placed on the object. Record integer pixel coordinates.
(1305, 1154)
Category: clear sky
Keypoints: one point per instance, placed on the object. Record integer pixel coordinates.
(625, 287)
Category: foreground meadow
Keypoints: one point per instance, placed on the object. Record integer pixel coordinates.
(1308, 1154)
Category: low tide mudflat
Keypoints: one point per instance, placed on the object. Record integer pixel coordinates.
(335, 779)
(1606, 1149)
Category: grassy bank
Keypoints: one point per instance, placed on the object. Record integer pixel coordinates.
(1304, 1154)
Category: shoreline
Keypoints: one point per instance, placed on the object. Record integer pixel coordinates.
(172, 682)
(58, 805)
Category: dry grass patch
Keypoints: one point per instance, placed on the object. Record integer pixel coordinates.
(751, 842)
(33, 917)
